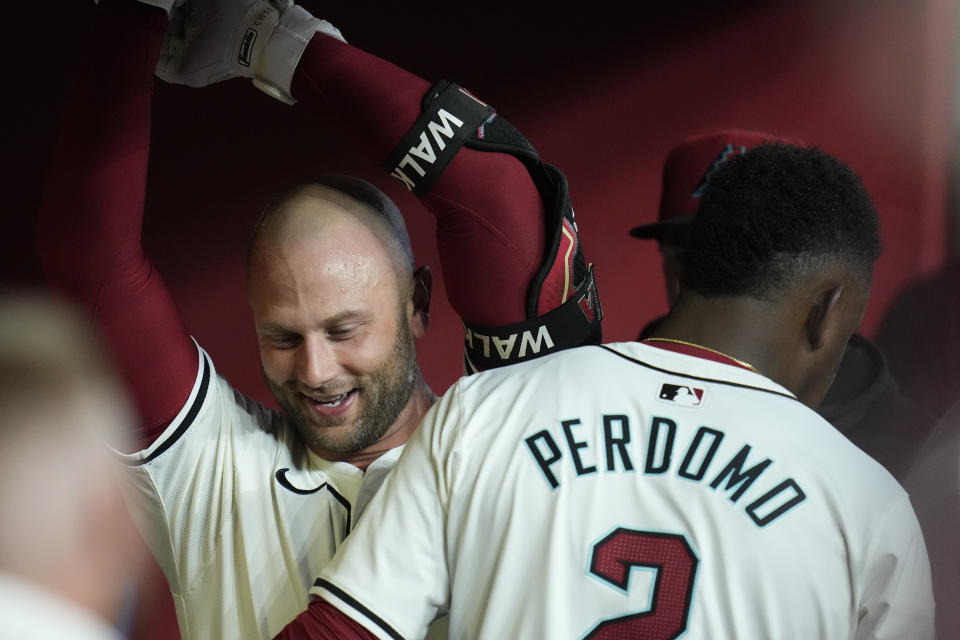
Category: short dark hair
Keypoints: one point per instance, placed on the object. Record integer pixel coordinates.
(774, 213)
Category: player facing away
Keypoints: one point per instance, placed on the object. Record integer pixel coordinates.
(864, 401)
(585, 495)
(243, 505)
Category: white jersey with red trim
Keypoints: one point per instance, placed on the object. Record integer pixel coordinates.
(628, 491)
(241, 516)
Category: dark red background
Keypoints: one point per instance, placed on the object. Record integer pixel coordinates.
(602, 93)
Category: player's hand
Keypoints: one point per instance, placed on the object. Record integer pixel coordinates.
(212, 40)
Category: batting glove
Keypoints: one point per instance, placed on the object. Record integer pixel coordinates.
(212, 40)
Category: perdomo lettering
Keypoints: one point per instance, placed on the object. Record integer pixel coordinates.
(706, 449)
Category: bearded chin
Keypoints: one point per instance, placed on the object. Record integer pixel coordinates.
(384, 393)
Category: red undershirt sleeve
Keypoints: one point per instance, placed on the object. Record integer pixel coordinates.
(323, 621)
(92, 211)
(490, 225)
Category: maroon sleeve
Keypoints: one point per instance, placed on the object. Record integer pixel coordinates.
(323, 621)
(92, 210)
(490, 226)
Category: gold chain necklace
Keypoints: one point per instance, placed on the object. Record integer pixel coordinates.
(742, 363)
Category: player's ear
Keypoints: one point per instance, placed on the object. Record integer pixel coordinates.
(420, 301)
(821, 313)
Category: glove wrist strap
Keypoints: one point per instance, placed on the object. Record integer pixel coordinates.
(284, 48)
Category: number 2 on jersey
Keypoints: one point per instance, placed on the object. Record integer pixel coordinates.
(612, 559)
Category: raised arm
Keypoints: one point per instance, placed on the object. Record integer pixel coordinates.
(92, 211)
(508, 243)
(490, 218)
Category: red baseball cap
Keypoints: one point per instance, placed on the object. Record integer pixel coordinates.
(687, 172)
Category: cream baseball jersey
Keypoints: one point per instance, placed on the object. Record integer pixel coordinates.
(240, 516)
(627, 491)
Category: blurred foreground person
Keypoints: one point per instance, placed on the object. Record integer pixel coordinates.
(69, 554)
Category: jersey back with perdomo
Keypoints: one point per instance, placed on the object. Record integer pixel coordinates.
(239, 515)
(628, 491)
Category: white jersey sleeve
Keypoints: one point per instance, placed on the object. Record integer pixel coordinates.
(411, 507)
(240, 516)
(895, 589)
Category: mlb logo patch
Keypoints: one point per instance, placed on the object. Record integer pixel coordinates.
(682, 395)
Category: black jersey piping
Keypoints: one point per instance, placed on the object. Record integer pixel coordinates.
(370, 615)
(283, 481)
(185, 423)
(692, 377)
(281, 476)
(345, 503)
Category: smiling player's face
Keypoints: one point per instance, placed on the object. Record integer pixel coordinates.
(331, 314)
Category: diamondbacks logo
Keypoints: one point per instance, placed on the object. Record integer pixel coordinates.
(588, 302)
(725, 154)
(586, 305)
(682, 395)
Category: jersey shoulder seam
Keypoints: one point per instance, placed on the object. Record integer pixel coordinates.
(693, 377)
(187, 421)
